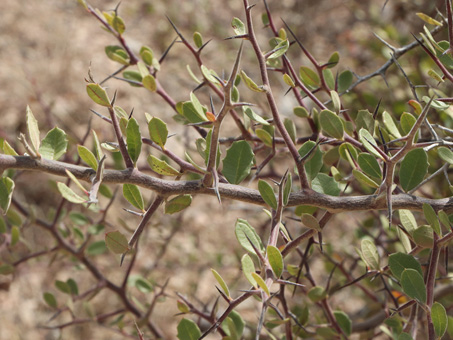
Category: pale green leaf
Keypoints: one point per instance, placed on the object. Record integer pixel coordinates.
(161, 167)
(134, 139)
(132, 194)
(54, 145)
(158, 131)
(70, 195)
(238, 162)
(33, 129)
(221, 282)
(413, 169)
(116, 242)
(177, 204)
(275, 260)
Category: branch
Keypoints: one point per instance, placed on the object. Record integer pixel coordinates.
(228, 191)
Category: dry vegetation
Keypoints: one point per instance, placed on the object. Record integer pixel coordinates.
(46, 48)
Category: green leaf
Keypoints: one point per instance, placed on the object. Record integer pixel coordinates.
(370, 254)
(314, 163)
(291, 128)
(158, 131)
(192, 114)
(118, 54)
(446, 154)
(6, 193)
(390, 125)
(15, 236)
(369, 165)
(98, 94)
(147, 55)
(413, 169)
(345, 80)
(413, 285)
(73, 286)
(325, 184)
(134, 76)
(96, 248)
(343, 321)
(254, 116)
(8, 149)
(367, 139)
(398, 262)
(143, 285)
(265, 137)
(439, 318)
(267, 193)
(197, 39)
(431, 218)
(245, 234)
(259, 280)
(209, 74)
(275, 260)
(87, 156)
(405, 336)
(161, 167)
(149, 83)
(407, 121)
(443, 217)
(288, 80)
(333, 60)
(301, 112)
(364, 120)
(282, 48)
(50, 299)
(54, 145)
(331, 124)
(287, 189)
(134, 139)
(428, 19)
(116, 242)
(33, 129)
(309, 77)
(132, 194)
(236, 326)
(250, 83)
(407, 220)
(328, 78)
(248, 268)
(177, 204)
(364, 179)
(68, 194)
(188, 330)
(423, 236)
(317, 294)
(221, 282)
(238, 26)
(62, 287)
(310, 222)
(97, 146)
(238, 162)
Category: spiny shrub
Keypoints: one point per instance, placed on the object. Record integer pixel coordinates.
(328, 157)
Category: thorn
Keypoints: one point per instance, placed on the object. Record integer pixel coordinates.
(167, 51)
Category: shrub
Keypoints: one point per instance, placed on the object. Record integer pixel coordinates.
(384, 171)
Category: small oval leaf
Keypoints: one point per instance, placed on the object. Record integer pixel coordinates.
(275, 260)
(98, 94)
(116, 242)
(413, 285)
(267, 193)
(132, 193)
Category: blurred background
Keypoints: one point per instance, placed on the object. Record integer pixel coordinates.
(46, 49)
